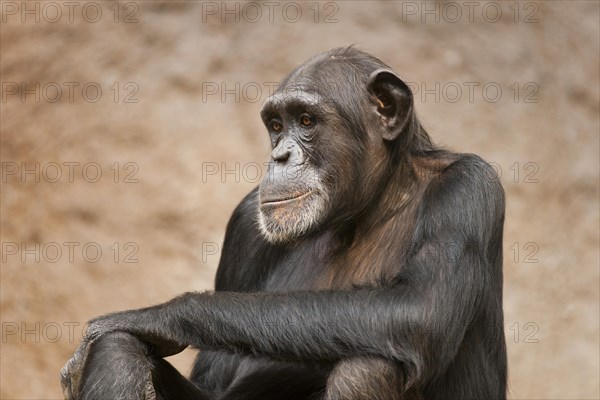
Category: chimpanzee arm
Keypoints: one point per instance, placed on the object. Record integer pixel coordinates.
(420, 320)
(418, 324)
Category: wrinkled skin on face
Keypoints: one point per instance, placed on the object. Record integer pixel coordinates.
(313, 163)
(292, 196)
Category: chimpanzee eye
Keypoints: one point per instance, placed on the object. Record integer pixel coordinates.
(276, 126)
(306, 120)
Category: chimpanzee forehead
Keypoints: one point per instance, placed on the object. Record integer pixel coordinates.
(293, 95)
(325, 78)
(313, 91)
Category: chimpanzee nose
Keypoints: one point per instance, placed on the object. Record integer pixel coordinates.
(281, 153)
(288, 153)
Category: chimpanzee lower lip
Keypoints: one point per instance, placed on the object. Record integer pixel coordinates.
(284, 199)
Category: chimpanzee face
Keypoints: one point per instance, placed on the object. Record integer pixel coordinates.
(328, 153)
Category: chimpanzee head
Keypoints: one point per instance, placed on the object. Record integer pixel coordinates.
(337, 125)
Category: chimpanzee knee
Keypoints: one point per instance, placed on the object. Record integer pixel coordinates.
(367, 379)
(118, 367)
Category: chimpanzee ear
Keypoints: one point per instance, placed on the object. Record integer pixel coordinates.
(393, 100)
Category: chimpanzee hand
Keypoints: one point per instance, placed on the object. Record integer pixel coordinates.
(71, 372)
(131, 322)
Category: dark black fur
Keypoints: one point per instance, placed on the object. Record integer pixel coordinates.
(396, 292)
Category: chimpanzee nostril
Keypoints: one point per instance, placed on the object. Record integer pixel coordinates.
(280, 154)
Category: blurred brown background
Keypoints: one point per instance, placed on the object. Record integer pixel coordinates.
(162, 99)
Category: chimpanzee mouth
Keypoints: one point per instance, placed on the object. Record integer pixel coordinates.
(285, 199)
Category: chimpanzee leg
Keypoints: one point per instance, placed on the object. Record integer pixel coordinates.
(120, 367)
(367, 379)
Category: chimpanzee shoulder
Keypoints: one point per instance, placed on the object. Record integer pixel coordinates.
(466, 199)
(473, 184)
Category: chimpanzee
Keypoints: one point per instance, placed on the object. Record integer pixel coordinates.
(367, 265)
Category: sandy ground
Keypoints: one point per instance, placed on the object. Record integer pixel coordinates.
(176, 137)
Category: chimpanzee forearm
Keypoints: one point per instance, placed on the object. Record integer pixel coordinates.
(323, 326)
